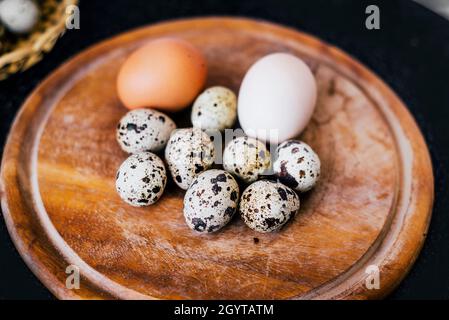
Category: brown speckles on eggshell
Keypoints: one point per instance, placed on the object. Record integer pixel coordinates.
(263, 212)
(221, 191)
(142, 130)
(133, 179)
(188, 153)
(297, 165)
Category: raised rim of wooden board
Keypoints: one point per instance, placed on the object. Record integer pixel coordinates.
(393, 252)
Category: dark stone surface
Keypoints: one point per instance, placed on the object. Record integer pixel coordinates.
(410, 52)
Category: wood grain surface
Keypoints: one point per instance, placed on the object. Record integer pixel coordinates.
(371, 207)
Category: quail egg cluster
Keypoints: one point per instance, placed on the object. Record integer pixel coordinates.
(272, 187)
(212, 195)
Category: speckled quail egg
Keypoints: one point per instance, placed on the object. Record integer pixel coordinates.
(247, 158)
(141, 179)
(211, 201)
(215, 109)
(188, 153)
(297, 165)
(265, 205)
(144, 130)
(19, 16)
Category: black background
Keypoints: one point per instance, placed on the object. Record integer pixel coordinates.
(410, 52)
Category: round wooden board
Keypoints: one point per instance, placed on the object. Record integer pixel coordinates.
(371, 208)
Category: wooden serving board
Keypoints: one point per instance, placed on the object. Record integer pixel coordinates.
(371, 208)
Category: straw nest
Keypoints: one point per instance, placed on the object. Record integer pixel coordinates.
(18, 53)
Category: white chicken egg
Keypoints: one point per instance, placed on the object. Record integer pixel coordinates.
(297, 165)
(246, 158)
(277, 98)
(19, 16)
(144, 130)
(265, 206)
(215, 109)
(188, 153)
(211, 201)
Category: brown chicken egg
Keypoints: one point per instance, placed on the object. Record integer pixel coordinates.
(166, 74)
